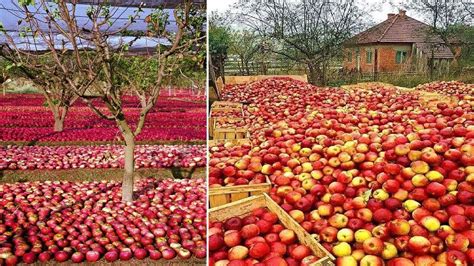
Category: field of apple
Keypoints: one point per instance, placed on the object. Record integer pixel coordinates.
(26, 119)
(376, 175)
(61, 221)
(99, 156)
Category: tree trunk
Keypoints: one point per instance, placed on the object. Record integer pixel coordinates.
(129, 167)
(264, 68)
(247, 69)
(222, 70)
(323, 74)
(312, 75)
(241, 66)
(212, 76)
(58, 124)
(59, 114)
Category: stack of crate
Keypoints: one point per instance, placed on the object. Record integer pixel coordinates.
(229, 113)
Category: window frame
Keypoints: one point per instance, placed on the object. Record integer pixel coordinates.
(367, 57)
(401, 57)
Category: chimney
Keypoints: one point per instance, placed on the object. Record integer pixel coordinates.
(390, 15)
(402, 12)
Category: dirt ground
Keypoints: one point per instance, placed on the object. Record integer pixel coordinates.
(133, 262)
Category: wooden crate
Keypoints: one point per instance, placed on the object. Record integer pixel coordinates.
(243, 207)
(228, 142)
(230, 133)
(217, 120)
(221, 104)
(223, 110)
(223, 195)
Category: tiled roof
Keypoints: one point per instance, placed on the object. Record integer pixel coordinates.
(400, 28)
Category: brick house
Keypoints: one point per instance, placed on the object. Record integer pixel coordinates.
(399, 44)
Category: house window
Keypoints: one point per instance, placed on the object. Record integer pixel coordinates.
(369, 56)
(401, 57)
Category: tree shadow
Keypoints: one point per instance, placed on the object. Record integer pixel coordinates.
(182, 173)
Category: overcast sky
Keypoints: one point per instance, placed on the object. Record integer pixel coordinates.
(383, 8)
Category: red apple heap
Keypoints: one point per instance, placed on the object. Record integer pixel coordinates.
(450, 88)
(61, 221)
(257, 238)
(371, 173)
(230, 166)
(14, 157)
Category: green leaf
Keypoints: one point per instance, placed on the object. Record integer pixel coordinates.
(366, 195)
(26, 2)
(9, 66)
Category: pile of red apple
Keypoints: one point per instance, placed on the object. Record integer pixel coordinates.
(25, 118)
(231, 166)
(62, 221)
(230, 112)
(449, 88)
(99, 156)
(229, 123)
(372, 174)
(256, 239)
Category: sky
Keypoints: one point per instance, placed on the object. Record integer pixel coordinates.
(383, 7)
(9, 16)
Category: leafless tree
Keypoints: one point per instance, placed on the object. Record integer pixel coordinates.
(245, 45)
(94, 58)
(309, 32)
(446, 18)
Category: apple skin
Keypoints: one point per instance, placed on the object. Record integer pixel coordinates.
(346, 261)
(425, 260)
(399, 227)
(419, 245)
(232, 238)
(371, 260)
(400, 262)
(259, 250)
(382, 216)
(459, 223)
(389, 251)
(288, 236)
(457, 242)
(249, 231)
(238, 253)
(373, 246)
(328, 234)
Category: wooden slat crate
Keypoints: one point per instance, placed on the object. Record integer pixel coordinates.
(217, 120)
(223, 195)
(229, 142)
(221, 104)
(243, 207)
(230, 133)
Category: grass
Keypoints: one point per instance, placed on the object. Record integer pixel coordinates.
(79, 175)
